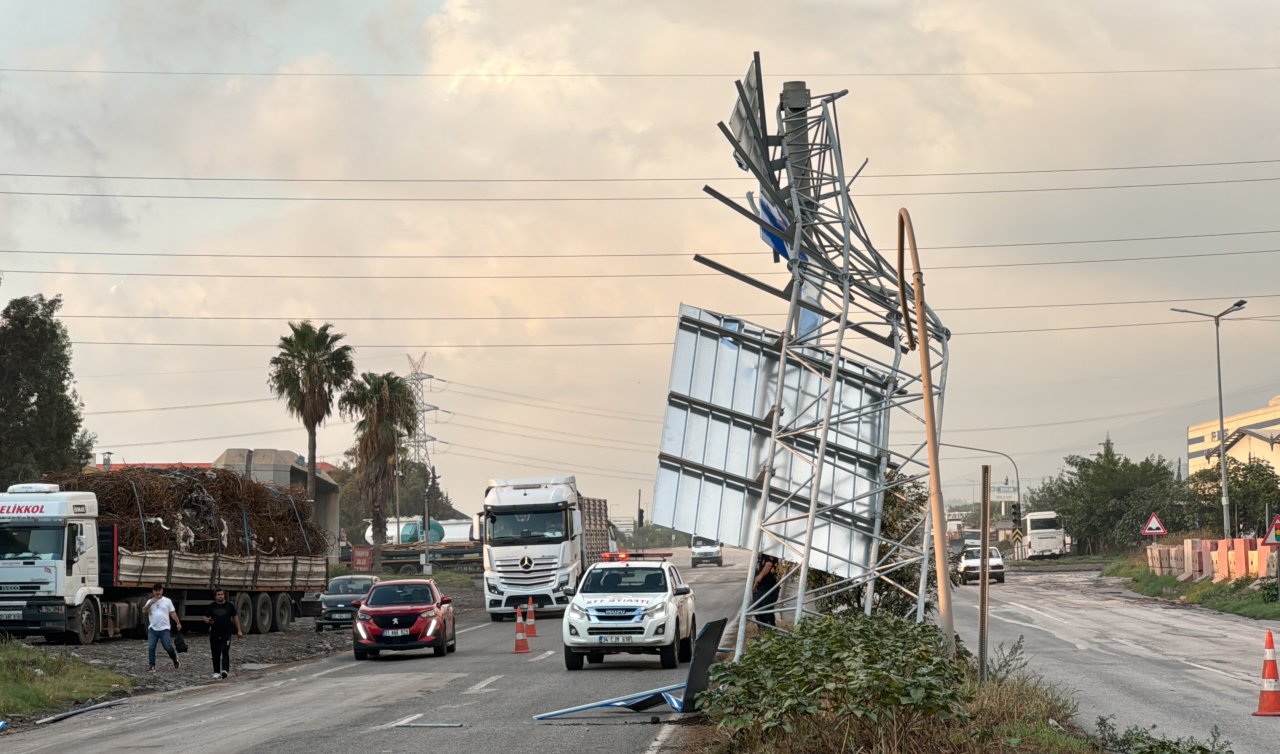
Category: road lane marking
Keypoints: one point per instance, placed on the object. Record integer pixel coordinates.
(660, 740)
(542, 656)
(479, 688)
(473, 628)
(1040, 612)
(408, 719)
(325, 672)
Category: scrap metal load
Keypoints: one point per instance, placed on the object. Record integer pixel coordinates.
(200, 511)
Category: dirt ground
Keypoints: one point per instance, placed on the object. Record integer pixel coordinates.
(256, 653)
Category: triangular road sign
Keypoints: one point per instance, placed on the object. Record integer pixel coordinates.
(1273, 533)
(1154, 526)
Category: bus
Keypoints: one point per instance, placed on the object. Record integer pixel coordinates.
(1044, 535)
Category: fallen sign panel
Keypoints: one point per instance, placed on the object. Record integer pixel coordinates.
(716, 439)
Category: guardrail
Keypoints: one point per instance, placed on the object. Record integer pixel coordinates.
(1217, 559)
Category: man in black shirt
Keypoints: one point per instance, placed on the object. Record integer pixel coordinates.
(764, 592)
(223, 620)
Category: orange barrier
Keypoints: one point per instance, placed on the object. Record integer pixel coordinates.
(522, 644)
(531, 625)
(1269, 697)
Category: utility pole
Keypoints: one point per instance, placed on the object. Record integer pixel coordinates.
(984, 572)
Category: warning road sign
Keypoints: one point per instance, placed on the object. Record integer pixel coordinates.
(1017, 535)
(1154, 527)
(1273, 533)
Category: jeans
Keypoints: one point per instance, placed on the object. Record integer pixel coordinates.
(220, 650)
(764, 598)
(164, 638)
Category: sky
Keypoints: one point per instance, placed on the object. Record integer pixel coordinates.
(529, 134)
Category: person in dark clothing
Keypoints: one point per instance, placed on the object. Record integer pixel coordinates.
(223, 620)
(764, 592)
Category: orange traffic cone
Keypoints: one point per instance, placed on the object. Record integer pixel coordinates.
(522, 644)
(1269, 697)
(531, 625)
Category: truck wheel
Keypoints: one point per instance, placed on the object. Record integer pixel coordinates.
(668, 655)
(572, 660)
(410, 570)
(261, 613)
(244, 609)
(281, 611)
(87, 618)
(686, 644)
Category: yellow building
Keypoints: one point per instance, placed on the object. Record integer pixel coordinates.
(1253, 434)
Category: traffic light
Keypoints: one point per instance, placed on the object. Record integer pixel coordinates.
(1015, 511)
(640, 518)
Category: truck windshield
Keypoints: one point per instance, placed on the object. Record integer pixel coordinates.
(31, 543)
(526, 528)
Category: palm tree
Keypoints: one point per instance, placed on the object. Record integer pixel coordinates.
(309, 369)
(386, 410)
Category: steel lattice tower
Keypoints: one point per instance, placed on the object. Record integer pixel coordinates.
(419, 443)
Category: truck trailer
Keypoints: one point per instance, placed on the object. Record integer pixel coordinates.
(539, 535)
(65, 577)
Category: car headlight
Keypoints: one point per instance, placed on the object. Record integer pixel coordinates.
(576, 612)
(493, 587)
(657, 611)
(362, 615)
(428, 613)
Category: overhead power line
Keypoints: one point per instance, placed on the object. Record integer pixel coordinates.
(611, 317)
(621, 179)
(558, 199)
(633, 75)
(597, 255)
(482, 388)
(179, 408)
(612, 275)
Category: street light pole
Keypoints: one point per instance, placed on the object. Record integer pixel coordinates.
(1222, 421)
(1017, 478)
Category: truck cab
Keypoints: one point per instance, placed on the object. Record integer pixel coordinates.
(49, 558)
(536, 541)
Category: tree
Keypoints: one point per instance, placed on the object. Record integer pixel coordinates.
(1253, 488)
(385, 409)
(1103, 500)
(40, 412)
(309, 369)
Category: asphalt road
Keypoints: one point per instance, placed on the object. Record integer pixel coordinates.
(1140, 661)
(339, 705)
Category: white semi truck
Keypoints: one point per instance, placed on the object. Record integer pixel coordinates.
(539, 536)
(65, 577)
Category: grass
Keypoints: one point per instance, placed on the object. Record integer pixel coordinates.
(32, 680)
(452, 579)
(1238, 597)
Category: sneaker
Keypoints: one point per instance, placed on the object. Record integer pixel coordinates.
(224, 675)
(217, 676)
(151, 669)
(176, 664)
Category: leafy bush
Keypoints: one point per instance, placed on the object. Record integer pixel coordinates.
(863, 682)
(1137, 740)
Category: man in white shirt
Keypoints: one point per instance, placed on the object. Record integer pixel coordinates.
(160, 612)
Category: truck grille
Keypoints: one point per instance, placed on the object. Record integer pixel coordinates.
(541, 572)
(616, 614)
(14, 588)
(615, 631)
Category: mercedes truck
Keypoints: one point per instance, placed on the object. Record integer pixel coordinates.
(539, 535)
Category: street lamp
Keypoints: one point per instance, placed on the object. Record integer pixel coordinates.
(1222, 422)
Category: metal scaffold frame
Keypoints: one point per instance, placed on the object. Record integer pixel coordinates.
(829, 464)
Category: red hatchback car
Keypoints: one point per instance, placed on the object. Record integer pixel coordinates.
(399, 615)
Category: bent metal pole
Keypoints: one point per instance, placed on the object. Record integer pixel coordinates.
(907, 233)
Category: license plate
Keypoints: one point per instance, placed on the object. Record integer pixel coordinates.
(615, 639)
(396, 632)
(342, 616)
(11, 615)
